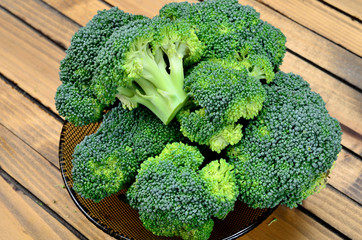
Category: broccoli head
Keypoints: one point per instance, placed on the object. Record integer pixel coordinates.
(228, 28)
(222, 186)
(143, 63)
(221, 92)
(74, 99)
(288, 149)
(107, 161)
(174, 198)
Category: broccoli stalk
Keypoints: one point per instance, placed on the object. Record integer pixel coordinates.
(155, 88)
(143, 63)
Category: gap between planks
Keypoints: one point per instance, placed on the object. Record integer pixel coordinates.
(24, 218)
(323, 20)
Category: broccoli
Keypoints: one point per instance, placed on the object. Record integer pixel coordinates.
(143, 63)
(287, 151)
(221, 92)
(228, 28)
(221, 184)
(74, 99)
(107, 161)
(196, 115)
(174, 198)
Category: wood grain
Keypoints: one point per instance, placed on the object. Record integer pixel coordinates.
(337, 210)
(289, 224)
(322, 19)
(22, 218)
(342, 101)
(43, 18)
(79, 10)
(44, 180)
(313, 47)
(25, 119)
(346, 176)
(29, 59)
(352, 7)
(144, 7)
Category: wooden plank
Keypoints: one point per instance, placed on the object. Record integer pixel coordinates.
(79, 10)
(28, 59)
(143, 7)
(346, 176)
(286, 223)
(26, 119)
(322, 19)
(352, 7)
(41, 178)
(352, 140)
(342, 101)
(337, 210)
(313, 47)
(22, 218)
(44, 18)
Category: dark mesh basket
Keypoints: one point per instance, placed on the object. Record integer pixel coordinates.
(115, 217)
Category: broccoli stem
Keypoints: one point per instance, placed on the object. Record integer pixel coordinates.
(156, 89)
(258, 73)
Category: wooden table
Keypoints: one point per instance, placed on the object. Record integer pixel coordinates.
(324, 46)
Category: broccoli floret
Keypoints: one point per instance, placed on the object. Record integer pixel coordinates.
(107, 161)
(143, 63)
(228, 29)
(175, 199)
(74, 99)
(288, 149)
(222, 186)
(77, 103)
(222, 92)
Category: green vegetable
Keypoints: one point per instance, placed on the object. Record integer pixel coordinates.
(229, 29)
(199, 115)
(107, 161)
(221, 92)
(174, 198)
(288, 149)
(75, 100)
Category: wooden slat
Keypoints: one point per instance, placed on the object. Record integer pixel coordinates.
(347, 176)
(28, 59)
(144, 7)
(352, 7)
(41, 178)
(43, 18)
(27, 120)
(22, 218)
(337, 210)
(289, 224)
(322, 19)
(342, 101)
(313, 47)
(79, 10)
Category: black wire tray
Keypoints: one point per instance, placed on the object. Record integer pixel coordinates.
(115, 217)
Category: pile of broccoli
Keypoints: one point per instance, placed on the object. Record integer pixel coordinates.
(195, 115)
